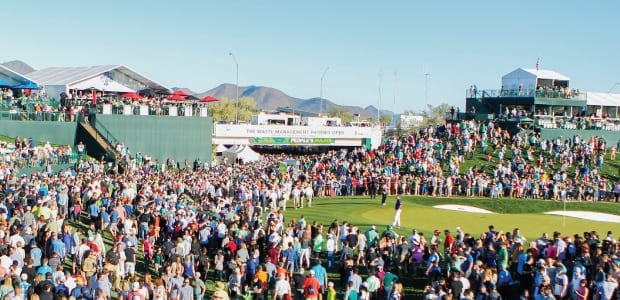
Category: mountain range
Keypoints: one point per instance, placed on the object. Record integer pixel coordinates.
(270, 99)
(267, 98)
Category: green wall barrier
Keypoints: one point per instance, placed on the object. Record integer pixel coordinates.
(57, 133)
(181, 138)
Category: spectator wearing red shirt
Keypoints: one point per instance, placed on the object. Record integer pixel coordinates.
(312, 287)
(448, 242)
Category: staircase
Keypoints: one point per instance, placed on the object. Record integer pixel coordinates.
(99, 143)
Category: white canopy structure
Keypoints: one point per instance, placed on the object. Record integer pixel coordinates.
(102, 83)
(603, 99)
(57, 80)
(243, 153)
(530, 79)
(220, 148)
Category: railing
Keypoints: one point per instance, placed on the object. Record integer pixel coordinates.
(586, 123)
(529, 93)
(173, 110)
(103, 131)
(25, 115)
(453, 116)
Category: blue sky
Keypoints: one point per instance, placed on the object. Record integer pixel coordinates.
(288, 44)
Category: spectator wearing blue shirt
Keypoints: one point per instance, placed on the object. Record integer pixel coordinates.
(291, 257)
(44, 268)
(320, 274)
(58, 246)
(36, 253)
(93, 210)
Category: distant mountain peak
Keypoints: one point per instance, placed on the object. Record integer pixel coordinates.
(270, 99)
(19, 66)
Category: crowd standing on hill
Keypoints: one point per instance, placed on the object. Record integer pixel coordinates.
(196, 223)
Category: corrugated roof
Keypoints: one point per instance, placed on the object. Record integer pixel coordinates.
(603, 99)
(547, 74)
(73, 75)
(15, 77)
(68, 75)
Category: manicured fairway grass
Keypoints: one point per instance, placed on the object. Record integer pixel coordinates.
(418, 213)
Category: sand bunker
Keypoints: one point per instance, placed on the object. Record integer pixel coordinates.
(587, 215)
(463, 208)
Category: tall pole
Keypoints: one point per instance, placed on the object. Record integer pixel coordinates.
(237, 92)
(395, 83)
(426, 91)
(379, 107)
(613, 87)
(321, 93)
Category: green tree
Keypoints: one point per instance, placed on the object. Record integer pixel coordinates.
(435, 115)
(225, 109)
(344, 115)
(385, 120)
(247, 108)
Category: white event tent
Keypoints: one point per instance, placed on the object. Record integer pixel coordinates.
(240, 152)
(112, 78)
(530, 79)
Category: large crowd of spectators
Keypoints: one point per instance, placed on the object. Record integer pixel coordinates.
(195, 223)
(24, 153)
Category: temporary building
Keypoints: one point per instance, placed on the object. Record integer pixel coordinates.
(530, 79)
(241, 153)
(112, 78)
(12, 79)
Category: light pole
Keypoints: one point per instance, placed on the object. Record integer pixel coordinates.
(379, 107)
(426, 91)
(237, 92)
(321, 93)
(395, 83)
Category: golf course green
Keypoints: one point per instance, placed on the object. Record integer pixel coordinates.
(419, 213)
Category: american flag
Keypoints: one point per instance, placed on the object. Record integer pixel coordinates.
(537, 63)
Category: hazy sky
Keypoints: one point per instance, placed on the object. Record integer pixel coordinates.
(288, 44)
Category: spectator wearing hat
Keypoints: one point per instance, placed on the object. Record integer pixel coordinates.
(372, 236)
(135, 294)
(130, 258)
(25, 285)
(312, 287)
(220, 295)
(331, 292)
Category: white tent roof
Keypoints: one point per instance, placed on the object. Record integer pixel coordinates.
(547, 74)
(220, 148)
(603, 99)
(10, 76)
(244, 153)
(73, 75)
(101, 83)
